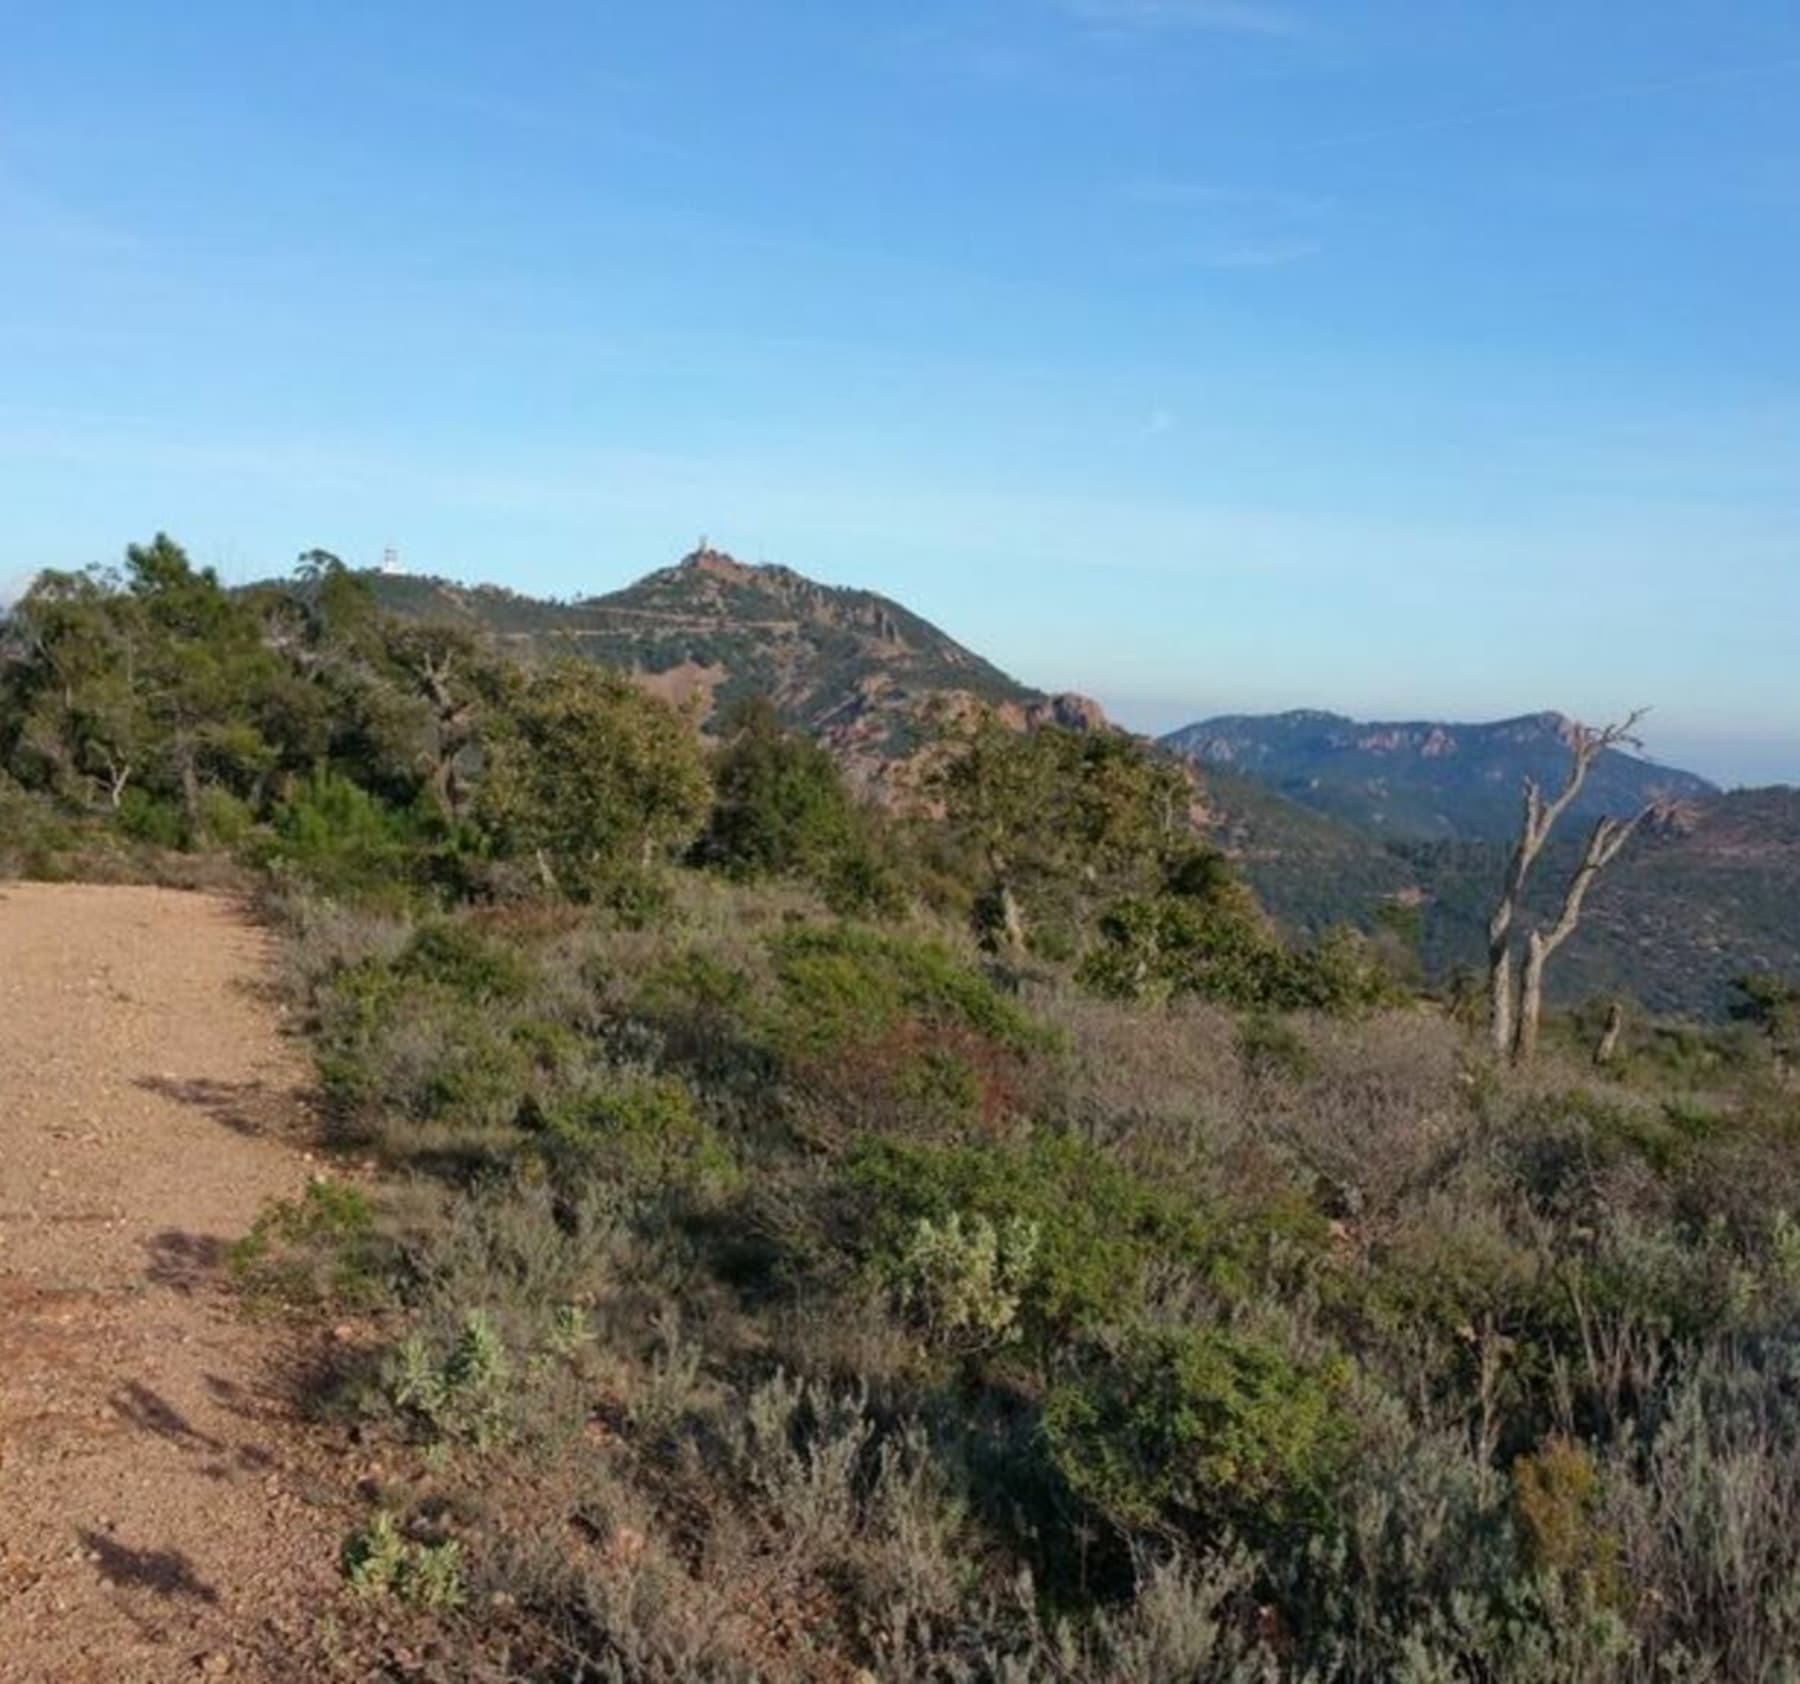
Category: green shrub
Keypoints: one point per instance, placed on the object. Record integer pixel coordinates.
(1202, 1429)
(151, 818)
(942, 1083)
(322, 1249)
(379, 1560)
(1770, 1005)
(1557, 1494)
(967, 1281)
(848, 985)
(454, 957)
(31, 834)
(335, 835)
(413, 1054)
(641, 1129)
(1270, 1047)
(224, 817)
(1097, 1229)
(464, 1393)
(862, 881)
(1156, 947)
(444, 1031)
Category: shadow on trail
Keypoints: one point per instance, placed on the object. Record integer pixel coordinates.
(253, 1109)
(184, 1262)
(163, 1572)
(143, 1409)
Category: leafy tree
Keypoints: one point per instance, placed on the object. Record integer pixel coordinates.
(1772, 1005)
(589, 778)
(198, 672)
(399, 707)
(1057, 812)
(79, 724)
(450, 685)
(780, 807)
(145, 681)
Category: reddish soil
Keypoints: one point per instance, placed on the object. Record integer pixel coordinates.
(162, 1514)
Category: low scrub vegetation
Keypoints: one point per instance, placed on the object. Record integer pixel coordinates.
(965, 1247)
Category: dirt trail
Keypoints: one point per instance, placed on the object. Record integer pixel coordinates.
(158, 1519)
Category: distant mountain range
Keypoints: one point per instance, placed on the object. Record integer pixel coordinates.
(1423, 780)
(1331, 820)
(1425, 812)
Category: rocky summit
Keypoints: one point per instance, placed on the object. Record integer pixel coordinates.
(856, 670)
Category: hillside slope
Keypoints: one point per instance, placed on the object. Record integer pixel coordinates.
(1308, 869)
(1423, 780)
(1710, 894)
(1329, 819)
(850, 667)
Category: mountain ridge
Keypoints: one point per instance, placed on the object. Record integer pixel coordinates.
(1708, 890)
(852, 667)
(1424, 779)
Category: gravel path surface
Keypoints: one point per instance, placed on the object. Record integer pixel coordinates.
(158, 1516)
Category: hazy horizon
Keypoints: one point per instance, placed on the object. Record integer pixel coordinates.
(1199, 356)
(1730, 761)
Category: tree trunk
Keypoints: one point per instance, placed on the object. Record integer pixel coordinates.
(1511, 1033)
(190, 786)
(1531, 998)
(1500, 1000)
(442, 783)
(1608, 1048)
(1012, 920)
(1606, 841)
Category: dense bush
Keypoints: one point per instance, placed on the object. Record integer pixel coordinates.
(1202, 1430)
(31, 834)
(1219, 948)
(848, 984)
(780, 807)
(1098, 1232)
(588, 779)
(337, 837)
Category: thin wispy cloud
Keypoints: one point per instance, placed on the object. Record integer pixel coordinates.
(1176, 194)
(1579, 100)
(1258, 254)
(1225, 17)
(1235, 227)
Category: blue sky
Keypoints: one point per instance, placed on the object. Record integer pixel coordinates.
(1424, 358)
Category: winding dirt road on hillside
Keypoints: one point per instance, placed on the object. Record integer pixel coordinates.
(158, 1516)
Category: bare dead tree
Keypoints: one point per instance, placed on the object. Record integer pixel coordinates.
(1606, 1049)
(1506, 1010)
(1604, 844)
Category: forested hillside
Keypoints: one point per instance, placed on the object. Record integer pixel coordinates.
(1336, 822)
